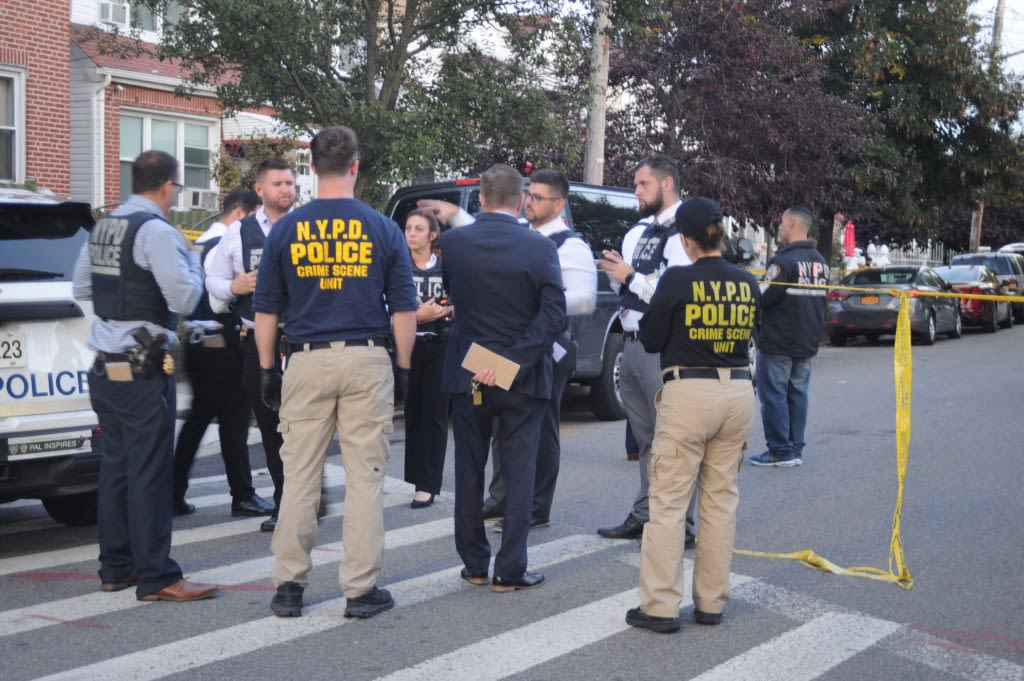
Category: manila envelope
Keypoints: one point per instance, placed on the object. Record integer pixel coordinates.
(480, 359)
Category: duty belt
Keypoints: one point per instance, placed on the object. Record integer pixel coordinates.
(710, 372)
(631, 335)
(349, 342)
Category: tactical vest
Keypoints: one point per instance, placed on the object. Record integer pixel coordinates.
(203, 310)
(430, 284)
(561, 237)
(648, 258)
(121, 290)
(252, 250)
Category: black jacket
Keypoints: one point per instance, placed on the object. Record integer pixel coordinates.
(792, 319)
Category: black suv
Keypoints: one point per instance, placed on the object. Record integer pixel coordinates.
(602, 215)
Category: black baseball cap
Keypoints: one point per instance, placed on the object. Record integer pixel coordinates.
(696, 214)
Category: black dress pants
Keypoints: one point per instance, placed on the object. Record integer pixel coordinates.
(217, 392)
(426, 417)
(266, 418)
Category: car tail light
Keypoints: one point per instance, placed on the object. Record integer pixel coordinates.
(837, 295)
(1012, 282)
(913, 293)
(465, 181)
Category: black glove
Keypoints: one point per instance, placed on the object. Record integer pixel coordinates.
(270, 388)
(401, 384)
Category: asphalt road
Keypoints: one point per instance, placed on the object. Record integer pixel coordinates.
(961, 528)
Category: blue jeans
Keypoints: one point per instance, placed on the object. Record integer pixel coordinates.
(782, 384)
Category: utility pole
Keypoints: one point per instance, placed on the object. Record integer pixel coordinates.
(978, 216)
(593, 154)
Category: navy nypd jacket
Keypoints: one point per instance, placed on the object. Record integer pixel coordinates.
(793, 319)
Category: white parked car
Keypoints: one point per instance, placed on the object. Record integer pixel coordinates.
(48, 433)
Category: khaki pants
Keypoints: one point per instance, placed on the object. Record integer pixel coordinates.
(348, 390)
(701, 428)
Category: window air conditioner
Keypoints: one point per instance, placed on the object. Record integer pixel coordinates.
(201, 199)
(115, 13)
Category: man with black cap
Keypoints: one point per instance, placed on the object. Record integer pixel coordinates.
(699, 322)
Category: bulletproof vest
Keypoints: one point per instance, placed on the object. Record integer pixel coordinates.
(252, 251)
(203, 310)
(430, 284)
(648, 258)
(121, 290)
(561, 237)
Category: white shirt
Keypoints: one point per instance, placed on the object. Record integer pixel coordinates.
(225, 263)
(579, 273)
(644, 286)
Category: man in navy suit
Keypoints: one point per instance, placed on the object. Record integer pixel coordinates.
(506, 284)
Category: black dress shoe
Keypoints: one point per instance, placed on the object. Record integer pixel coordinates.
(527, 580)
(492, 513)
(181, 507)
(691, 540)
(254, 505)
(474, 578)
(663, 625)
(416, 503)
(630, 528)
(287, 602)
(708, 618)
(373, 602)
(269, 525)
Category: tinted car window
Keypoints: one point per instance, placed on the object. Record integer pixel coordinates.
(408, 204)
(35, 259)
(603, 218)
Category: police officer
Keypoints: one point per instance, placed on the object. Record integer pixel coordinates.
(700, 320)
(213, 359)
(334, 270)
(231, 280)
(141, 273)
(651, 247)
(426, 406)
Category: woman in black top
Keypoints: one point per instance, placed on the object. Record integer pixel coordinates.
(426, 407)
(700, 319)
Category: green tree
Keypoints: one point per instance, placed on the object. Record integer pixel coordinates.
(920, 68)
(403, 73)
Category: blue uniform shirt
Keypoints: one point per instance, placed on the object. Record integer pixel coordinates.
(334, 269)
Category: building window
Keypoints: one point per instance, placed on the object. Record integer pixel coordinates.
(302, 157)
(186, 140)
(12, 126)
(143, 18)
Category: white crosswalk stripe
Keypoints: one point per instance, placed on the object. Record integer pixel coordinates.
(808, 638)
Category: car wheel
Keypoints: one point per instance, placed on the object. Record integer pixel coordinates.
(837, 339)
(1008, 324)
(992, 325)
(605, 400)
(928, 337)
(1018, 313)
(958, 326)
(74, 509)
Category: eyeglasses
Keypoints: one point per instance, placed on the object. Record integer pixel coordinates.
(536, 198)
(179, 186)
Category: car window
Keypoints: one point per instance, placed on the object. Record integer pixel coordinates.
(40, 259)
(603, 218)
(408, 204)
(995, 263)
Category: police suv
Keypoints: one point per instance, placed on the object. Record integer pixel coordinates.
(48, 433)
(602, 215)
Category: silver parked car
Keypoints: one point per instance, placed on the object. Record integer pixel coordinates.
(872, 314)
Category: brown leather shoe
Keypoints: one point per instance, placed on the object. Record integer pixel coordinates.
(182, 590)
(632, 456)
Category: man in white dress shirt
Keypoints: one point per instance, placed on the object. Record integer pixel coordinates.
(231, 281)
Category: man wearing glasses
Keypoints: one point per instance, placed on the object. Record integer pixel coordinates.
(140, 273)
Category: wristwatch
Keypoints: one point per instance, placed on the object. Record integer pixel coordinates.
(629, 278)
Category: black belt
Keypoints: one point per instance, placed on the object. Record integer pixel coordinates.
(113, 356)
(673, 374)
(631, 335)
(324, 345)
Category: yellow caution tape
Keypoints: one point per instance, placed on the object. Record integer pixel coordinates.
(193, 234)
(897, 572)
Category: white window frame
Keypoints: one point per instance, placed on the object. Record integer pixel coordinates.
(213, 139)
(17, 76)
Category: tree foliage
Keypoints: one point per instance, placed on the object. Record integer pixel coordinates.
(729, 91)
(391, 70)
